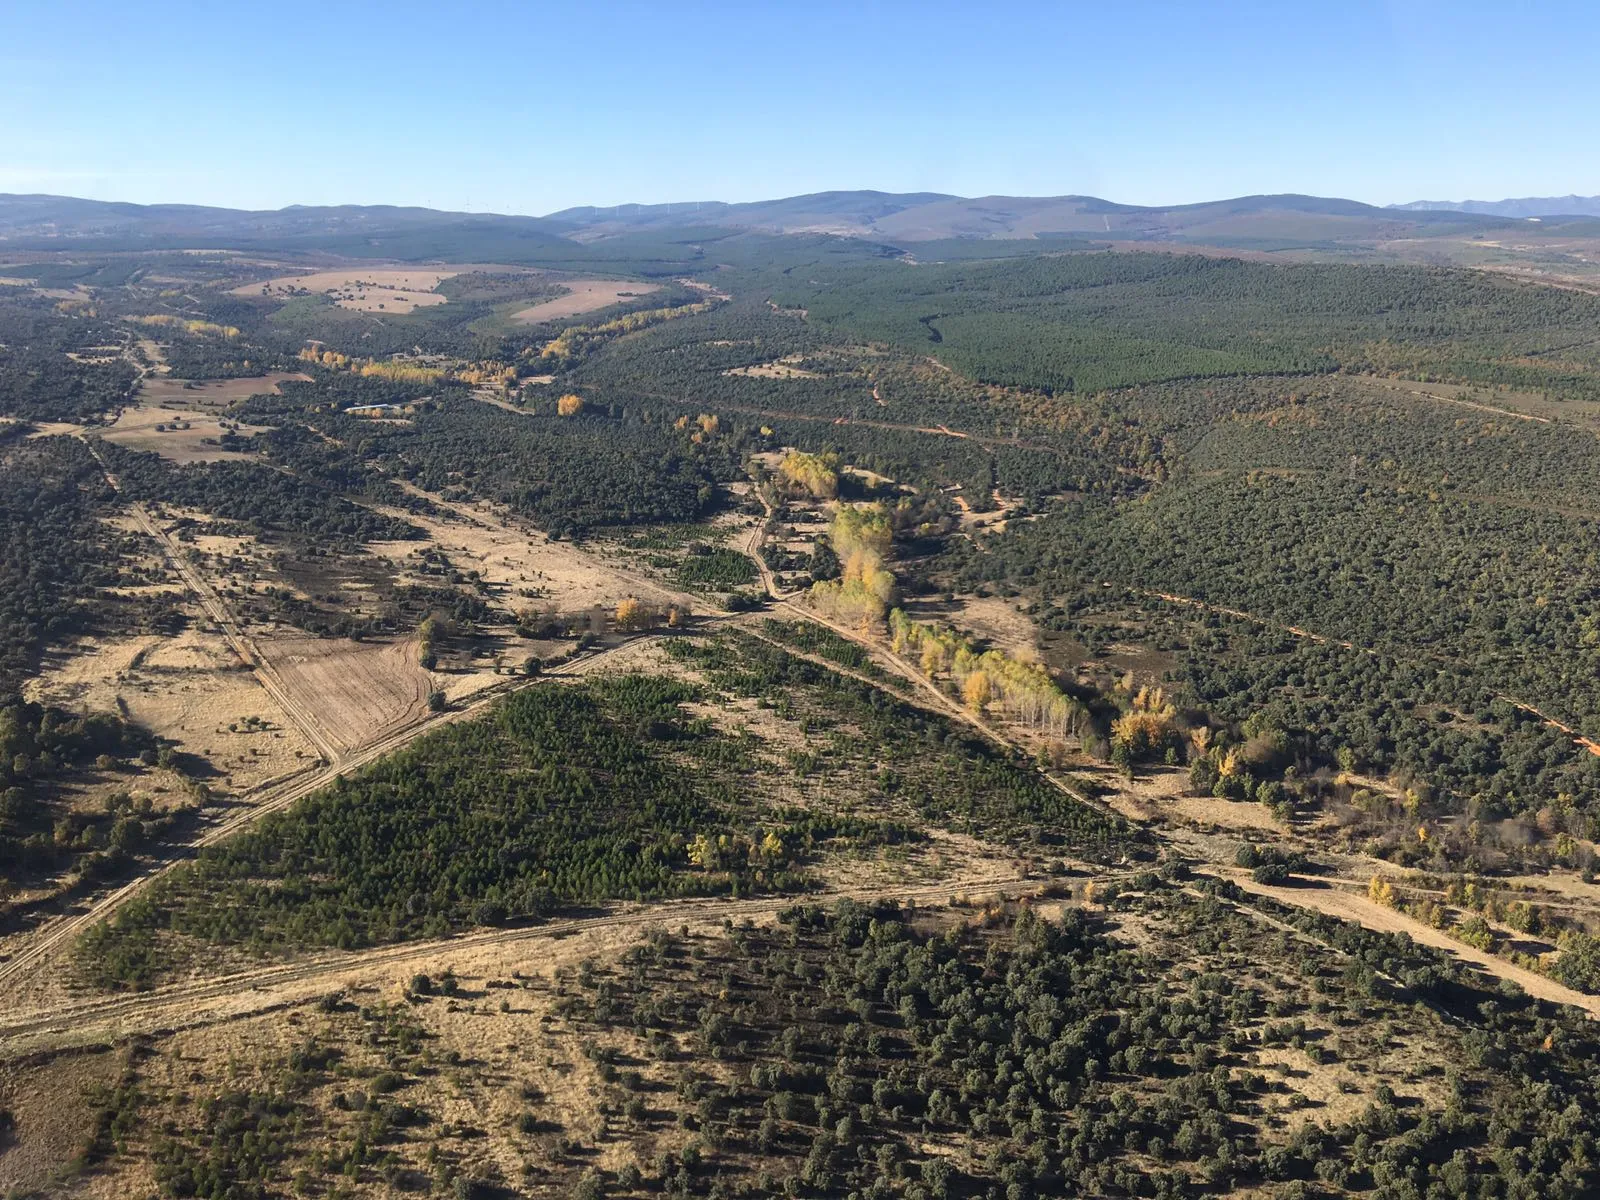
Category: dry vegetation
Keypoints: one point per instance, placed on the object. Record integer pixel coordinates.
(191, 691)
(364, 289)
(581, 296)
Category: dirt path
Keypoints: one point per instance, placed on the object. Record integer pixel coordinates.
(1399, 385)
(1330, 901)
(1592, 746)
(103, 1019)
(231, 628)
(782, 414)
(1348, 905)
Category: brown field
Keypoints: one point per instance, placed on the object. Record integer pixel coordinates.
(583, 295)
(211, 393)
(136, 429)
(532, 570)
(54, 429)
(354, 692)
(997, 621)
(365, 289)
(46, 1101)
(188, 689)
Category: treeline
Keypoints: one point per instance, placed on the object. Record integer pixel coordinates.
(37, 379)
(930, 769)
(41, 745)
(569, 475)
(258, 497)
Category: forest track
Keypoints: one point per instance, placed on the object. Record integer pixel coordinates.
(784, 414)
(1589, 744)
(1344, 905)
(246, 993)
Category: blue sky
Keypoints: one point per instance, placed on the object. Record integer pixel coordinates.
(533, 107)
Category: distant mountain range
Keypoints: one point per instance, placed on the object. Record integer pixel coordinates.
(1264, 223)
(1528, 206)
(926, 216)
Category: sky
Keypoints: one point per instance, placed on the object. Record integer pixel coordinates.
(531, 107)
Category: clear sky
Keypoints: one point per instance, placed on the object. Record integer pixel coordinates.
(531, 107)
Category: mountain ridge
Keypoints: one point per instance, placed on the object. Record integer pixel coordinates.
(1524, 207)
(1268, 222)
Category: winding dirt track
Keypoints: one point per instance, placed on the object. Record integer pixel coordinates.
(96, 1020)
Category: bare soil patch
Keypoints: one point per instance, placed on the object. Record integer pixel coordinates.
(583, 295)
(53, 1118)
(189, 689)
(779, 368)
(525, 567)
(364, 289)
(200, 394)
(355, 692)
(999, 622)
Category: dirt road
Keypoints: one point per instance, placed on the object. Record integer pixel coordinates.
(103, 1019)
(1348, 905)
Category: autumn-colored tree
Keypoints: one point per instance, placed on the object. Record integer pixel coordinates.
(975, 691)
(814, 474)
(569, 405)
(1024, 690)
(634, 614)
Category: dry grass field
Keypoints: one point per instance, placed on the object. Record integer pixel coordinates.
(158, 390)
(781, 368)
(189, 689)
(529, 568)
(583, 295)
(181, 437)
(364, 289)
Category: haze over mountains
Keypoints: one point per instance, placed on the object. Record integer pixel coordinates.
(1527, 206)
(1266, 223)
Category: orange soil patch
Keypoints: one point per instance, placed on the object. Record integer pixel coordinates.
(583, 295)
(354, 692)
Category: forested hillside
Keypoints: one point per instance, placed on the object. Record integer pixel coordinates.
(1085, 322)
